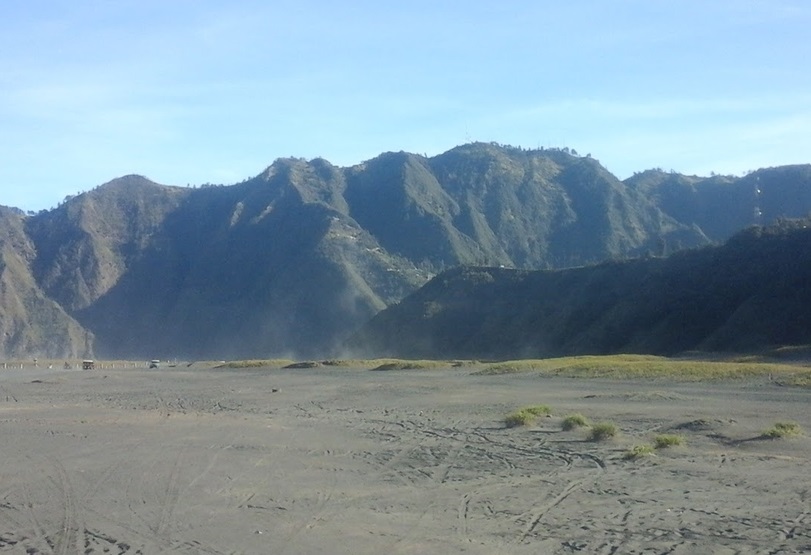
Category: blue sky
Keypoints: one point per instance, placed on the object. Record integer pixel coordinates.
(195, 91)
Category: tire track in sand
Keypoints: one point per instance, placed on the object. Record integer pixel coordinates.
(72, 531)
(518, 456)
(538, 513)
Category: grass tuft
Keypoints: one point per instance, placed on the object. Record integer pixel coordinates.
(655, 367)
(526, 416)
(538, 410)
(638, 451)
(519, 418)
(783, 429)
(668, 440)
(603, 431)
(801, 379)
(573, 421)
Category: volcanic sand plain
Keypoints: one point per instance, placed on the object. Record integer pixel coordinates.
(198, 459)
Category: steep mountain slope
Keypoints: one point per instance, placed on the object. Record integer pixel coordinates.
(296, 259)
(85, 245)
(723, 205)
(486, 204)
(551, 209)
(31, 324)
(270, 266)
(398, 199)
(752, 292)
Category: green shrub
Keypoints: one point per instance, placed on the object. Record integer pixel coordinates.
(538, 410)
(646, 366)
(638, 451)
(519, 418)
(526, 416)
(668, 440)
(783, 429)
(573, 421)
(603, 430)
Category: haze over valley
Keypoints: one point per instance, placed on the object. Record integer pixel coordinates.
(296, 260)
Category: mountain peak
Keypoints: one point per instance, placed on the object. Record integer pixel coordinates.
(298, 257)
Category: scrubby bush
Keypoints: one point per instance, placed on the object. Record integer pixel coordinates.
(783, 429)
(519, 418)
(526, 416)
(603, 430)
(668, 440)
(573, 421)
(638, 451)
(538, 410)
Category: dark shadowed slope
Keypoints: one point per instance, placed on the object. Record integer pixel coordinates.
(268, 267)
(752, 292)
(87, 244)
(298, 258)
(723, 205)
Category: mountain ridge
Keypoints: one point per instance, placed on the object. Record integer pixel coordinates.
(297, 258)
(752, 292)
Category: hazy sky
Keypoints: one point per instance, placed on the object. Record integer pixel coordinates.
(195, 91)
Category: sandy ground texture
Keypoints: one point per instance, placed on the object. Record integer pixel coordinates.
(334, 460)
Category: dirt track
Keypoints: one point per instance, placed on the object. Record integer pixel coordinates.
(199, 460)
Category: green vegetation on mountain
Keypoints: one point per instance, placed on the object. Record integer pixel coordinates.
(295, 260)
(30, 322)
(723, 205)
(753, 292)
(89, 242)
